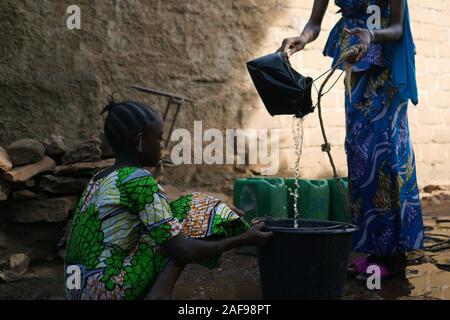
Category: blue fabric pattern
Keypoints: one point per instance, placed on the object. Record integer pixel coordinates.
(383, 188)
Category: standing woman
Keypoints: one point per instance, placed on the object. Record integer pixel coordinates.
(384, 195)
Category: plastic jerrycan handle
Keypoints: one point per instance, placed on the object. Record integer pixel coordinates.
(320, 183)
(275, 182)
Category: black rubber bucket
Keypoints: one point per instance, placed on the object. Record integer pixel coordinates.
(308, 263)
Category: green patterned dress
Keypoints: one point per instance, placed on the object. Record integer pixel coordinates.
(120, 226)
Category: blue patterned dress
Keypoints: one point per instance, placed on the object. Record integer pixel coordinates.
(384, 194)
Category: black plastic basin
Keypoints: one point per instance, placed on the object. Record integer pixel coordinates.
(305, 263)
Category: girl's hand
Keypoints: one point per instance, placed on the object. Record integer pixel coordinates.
(292, 45)
(255, 236)
(365, 39)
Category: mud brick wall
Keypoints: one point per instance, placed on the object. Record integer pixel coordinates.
(53, 80)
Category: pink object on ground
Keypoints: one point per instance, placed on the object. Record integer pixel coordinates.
(384, 272)
(361, 264)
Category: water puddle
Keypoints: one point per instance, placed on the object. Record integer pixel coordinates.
(429, 276)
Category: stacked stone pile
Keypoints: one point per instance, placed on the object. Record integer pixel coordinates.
(40, 186)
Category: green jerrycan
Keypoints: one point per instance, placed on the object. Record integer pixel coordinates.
(338, 210)
(261, 197)
(314, 199)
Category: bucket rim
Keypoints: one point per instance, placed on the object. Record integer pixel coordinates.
(334, 228)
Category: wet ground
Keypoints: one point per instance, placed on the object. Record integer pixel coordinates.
(427, 277)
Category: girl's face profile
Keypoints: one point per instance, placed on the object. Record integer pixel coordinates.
(151, 144)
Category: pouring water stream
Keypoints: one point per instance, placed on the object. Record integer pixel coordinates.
(297, 130)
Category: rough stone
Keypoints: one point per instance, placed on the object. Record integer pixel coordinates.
(10, 276)
(25, 151)
(25, 173)
(5, 190)
(62, 185)
(18, 263)
(5, 161)
(445, 225)
(86, 151)
(49, 210)
(54, 146)
(443, 261)
(82, 168)
(37, 241)
(431, 188)
(25, 194)
(24, 185)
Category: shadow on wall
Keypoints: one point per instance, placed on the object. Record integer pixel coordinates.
(55, 80)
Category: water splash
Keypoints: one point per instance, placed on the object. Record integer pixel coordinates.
(297, 131)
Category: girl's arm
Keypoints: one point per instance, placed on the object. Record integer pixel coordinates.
(311, 31)
(391, 34)
(183, 251)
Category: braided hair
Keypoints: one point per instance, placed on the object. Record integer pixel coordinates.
(125, 120)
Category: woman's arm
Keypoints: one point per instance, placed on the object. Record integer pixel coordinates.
(395, 30)
(183, 251)
(391, 34)
(311, 31)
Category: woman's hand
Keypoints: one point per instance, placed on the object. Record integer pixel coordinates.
(292, 45)
(310, 32)
(255, 236)
(365, 39)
